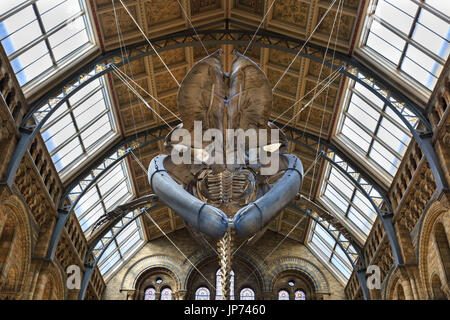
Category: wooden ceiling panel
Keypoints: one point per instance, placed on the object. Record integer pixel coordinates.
(255, 7)
(201, 6)
(342, 22)
(160, 11)
(164, 81)
(291, 12)
(109, 26)
(172, 57)
(284, 59)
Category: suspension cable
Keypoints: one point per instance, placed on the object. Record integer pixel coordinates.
(304, 44)
(260, 24)
(190, 22)
(151, 45)
(139, 96)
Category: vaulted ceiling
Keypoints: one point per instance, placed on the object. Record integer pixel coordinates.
(293, 18)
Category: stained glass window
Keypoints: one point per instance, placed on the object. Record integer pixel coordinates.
(150, 294)
(283, 295)
(300, 295)
(166, 294)
(202, 293)
(79, 127)
(219, 285)
(247, 294)
(40, 36)
(412, 36)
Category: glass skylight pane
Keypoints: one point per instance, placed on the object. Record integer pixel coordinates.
(91, 217)
(112, 246)
(325, 236)
(363, 91)
(8, 5)
(111, 190)
(421, 74)
(341, 254)
(398, 13)
(54, 14)
(437, 25)
(359, 114)
(365, 107)
(341, 183)
(384, 158)
(96, 131)
(336, 198)
(393, 136)
(430, 34)
(35, 69)
(111, 180)
(114, 197)
(352, 131)
(20, 35)
(109, 263)
(69, 153)
(64, 30)
(90, 109)
(321, 245)
(89, 119)
(440, 5)
(132, 227)
(85, 91)
(30, 56)
(130, 244)
(363, 203)
(341, 266)
(432, 41)
(69, 38)
(87, 201)
(359, 221)
(60, 132)
(409, 8)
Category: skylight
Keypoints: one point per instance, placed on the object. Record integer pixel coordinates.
(343, 198)
(39, 36)
(112, 189)
(411, 35)
(327, 249)
(122, 248)
(373, 130)
(80, 126)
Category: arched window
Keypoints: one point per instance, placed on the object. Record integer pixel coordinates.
(149, 294)
(283, 295)
(247, 294)
(219, 285)
(300, 295)
(202, 293)
(166, 294)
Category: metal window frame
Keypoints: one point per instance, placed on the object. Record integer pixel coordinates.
(371, 16)
(45, 34)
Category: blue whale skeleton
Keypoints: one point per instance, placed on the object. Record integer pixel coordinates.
(224, 199)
